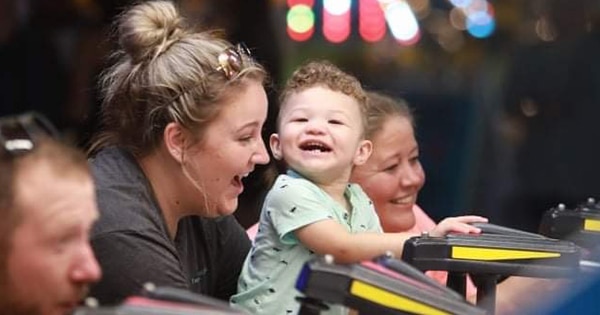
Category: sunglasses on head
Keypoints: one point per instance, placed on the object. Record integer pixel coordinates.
(231, 60)
(19, 133)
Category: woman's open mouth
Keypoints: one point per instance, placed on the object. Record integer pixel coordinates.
(238, 183)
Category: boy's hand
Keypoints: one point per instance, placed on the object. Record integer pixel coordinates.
(457, 225)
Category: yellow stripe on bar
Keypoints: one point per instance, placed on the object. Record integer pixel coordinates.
(591, 225)
(480, 253)
(391, 300)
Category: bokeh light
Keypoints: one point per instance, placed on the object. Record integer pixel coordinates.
(300, 22)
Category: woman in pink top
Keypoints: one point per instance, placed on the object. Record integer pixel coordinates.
(392, 177)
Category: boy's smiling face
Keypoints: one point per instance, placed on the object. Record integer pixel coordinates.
(320, 135)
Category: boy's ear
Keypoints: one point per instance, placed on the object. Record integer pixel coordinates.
(275, 145)
(363, 152)
(174, 139)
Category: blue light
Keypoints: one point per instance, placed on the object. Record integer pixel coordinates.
(461, 3)
(480, 24)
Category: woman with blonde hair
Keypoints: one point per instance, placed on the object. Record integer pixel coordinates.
(182, 116)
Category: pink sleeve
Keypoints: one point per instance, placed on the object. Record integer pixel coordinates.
(251, 231)
(424, 223)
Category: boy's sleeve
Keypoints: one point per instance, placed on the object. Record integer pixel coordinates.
(373, 223)
(368, 208)
(291, 206)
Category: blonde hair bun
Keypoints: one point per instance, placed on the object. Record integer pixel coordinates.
(149, 29)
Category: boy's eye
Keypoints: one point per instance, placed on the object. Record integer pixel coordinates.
(299, 119)
(336, 122)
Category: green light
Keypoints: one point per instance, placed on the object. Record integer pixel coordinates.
(300, 18)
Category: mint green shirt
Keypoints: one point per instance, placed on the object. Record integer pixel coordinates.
(268, 279)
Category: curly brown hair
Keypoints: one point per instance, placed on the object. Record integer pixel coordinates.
(325, 74)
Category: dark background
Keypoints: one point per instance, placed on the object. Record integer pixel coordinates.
(507, 124)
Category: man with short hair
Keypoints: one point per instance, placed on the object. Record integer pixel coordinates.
(47, 208)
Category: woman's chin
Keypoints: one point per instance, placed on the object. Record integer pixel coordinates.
(397, 219)
(401, 208)
(227, 208)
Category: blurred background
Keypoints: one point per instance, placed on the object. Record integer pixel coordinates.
(506, 93)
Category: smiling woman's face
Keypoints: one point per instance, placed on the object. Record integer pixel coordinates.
(392, 177)
(230, 149)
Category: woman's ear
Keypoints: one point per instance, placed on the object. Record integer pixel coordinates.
(275, 145)
(174, 139)
(363, 152)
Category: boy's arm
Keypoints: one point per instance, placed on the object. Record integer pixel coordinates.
(329, 237)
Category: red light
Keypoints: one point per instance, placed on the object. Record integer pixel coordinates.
(292, 3)
(300, 37)
(371, 20)
(336, 28)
